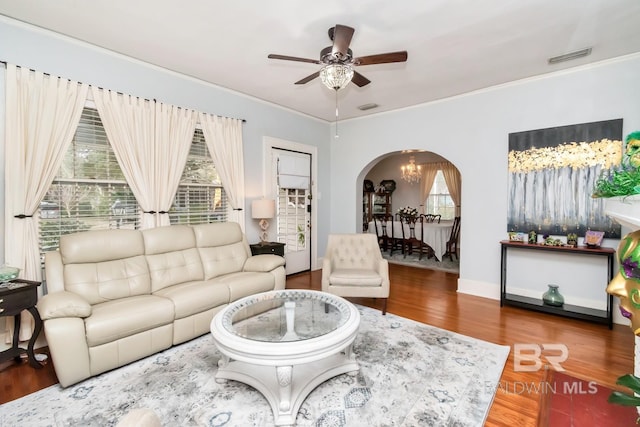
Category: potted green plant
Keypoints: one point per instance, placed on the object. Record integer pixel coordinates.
(620, 187)
(627, 399)
(624, 180)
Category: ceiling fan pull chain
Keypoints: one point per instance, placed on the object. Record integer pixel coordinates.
(336, 113)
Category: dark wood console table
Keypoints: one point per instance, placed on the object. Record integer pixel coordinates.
(567, 310)
(15, 296)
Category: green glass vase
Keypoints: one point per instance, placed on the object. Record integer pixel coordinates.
(553, 296)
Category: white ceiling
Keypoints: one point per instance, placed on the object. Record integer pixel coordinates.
(454, 46)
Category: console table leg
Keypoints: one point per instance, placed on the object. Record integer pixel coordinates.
(36, 331)
(16, 334)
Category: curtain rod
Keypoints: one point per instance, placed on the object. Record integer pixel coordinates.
(119, 93)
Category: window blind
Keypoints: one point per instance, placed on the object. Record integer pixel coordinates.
(200, 197)
(89, 192)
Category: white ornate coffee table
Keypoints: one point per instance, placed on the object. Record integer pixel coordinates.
(297, 340)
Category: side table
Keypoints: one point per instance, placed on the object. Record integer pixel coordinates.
(276, 248)
(15, 296)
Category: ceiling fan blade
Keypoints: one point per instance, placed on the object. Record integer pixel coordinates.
(341, 39)
(382, 58)
(360, 80)
(308, 78)
(293, 58)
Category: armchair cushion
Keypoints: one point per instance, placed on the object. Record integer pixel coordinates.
(355, 277)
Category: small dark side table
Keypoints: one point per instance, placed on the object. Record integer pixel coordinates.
(15, 296)
(275, 248)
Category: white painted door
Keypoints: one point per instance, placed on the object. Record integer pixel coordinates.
(293, 207)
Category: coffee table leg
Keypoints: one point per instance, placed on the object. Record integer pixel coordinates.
(284, 374)
(222, 363)
(351, 357)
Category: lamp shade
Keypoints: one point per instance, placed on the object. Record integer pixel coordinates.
(263, 208)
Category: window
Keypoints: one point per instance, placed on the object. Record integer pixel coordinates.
(292, 218)
(200, 197)
(89, 192)
(439, 201)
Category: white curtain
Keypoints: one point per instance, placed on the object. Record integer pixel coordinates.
(130, 127)
(453, 181)
(224, 140)
(429, 171)
(151, 141)
(174, 134)
(42, 114)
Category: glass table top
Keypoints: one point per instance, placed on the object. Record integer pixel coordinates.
(286, 315)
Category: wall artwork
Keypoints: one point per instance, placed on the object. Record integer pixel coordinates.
(552, 173)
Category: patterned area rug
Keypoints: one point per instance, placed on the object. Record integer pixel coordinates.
(412, 260)
(411, 374)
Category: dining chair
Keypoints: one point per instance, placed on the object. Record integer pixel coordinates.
(396, 240)
(414, 241)
(452, 243)
(380, 222)
(431, 218)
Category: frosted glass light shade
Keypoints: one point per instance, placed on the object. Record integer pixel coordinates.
(336, 76)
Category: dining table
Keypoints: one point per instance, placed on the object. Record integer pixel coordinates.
(435, 234)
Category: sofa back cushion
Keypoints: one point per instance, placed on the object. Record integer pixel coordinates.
(104, 265)
(172, 256)
(222, 246)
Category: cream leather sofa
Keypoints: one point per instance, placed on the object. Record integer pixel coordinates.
(116, 296)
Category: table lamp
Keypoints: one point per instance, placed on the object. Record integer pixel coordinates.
(263, 209)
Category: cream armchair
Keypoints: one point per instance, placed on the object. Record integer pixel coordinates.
(353, 267)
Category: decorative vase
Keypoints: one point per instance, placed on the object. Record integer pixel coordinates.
(553, 297)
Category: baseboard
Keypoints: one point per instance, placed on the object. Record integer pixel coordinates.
(479, 289)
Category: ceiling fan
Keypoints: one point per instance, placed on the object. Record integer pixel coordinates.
(338, 61)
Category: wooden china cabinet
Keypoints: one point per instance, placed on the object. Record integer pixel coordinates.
(375, 203)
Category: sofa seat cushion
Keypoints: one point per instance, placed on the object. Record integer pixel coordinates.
(354, 277)
(195, 297)
(246, 283)
(113, 320)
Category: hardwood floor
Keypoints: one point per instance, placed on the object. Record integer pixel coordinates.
(595, 352)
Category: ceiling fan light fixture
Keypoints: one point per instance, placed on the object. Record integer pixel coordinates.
(336, 76)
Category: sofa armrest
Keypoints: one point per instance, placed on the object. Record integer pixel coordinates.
(63, 304)
(263, 263)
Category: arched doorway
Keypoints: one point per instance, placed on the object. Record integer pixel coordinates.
(431, 194)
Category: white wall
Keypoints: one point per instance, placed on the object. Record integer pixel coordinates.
(472, 132)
